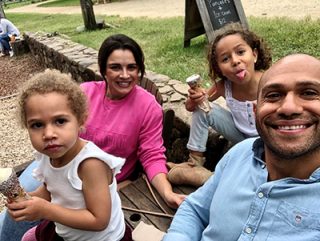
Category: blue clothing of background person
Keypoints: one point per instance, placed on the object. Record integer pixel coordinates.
(266, 188)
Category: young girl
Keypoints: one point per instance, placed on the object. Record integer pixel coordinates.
(238, 58)
(79, 191)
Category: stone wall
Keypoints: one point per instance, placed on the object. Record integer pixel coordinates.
(59, 52)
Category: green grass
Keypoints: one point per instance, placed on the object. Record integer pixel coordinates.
(65, 3)
(60, 3)
(162, 39)
(56, 3)
(16, 4)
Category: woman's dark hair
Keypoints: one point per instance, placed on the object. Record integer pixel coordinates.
(120, 41)
(264, 59)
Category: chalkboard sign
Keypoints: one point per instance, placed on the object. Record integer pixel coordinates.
(214, 15)
(221, 12)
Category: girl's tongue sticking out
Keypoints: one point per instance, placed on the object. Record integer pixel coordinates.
(241, 74)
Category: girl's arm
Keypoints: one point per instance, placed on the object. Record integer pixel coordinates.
(41, 192)
(216, 91)
(96, 176)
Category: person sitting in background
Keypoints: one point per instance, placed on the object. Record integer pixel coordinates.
(266, 188)
(8, 32)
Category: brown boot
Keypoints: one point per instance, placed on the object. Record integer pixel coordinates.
(191, 172)
(195, 160)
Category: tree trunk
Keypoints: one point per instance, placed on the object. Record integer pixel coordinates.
(88, 14)
(2, 14)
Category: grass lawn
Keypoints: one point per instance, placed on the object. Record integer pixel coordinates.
(162, 39)
(60, 3)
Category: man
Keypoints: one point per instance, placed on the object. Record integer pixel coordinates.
(266, 188)
(7, 31)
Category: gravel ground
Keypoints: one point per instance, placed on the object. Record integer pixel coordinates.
(15, 147)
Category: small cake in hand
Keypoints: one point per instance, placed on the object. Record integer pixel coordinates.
(10, 186)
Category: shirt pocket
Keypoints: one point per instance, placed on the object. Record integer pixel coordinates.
(294, 223)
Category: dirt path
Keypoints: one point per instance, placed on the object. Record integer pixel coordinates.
(296, 9)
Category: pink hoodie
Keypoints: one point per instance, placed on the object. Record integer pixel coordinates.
(130, 128)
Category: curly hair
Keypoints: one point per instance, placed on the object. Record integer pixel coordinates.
(264, 60)
(53, 81)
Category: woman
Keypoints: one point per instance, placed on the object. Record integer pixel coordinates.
(124, 120)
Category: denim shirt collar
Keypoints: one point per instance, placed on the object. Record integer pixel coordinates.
(258, 150)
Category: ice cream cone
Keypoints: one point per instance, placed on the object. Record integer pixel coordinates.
(194, 81)
(10, 186)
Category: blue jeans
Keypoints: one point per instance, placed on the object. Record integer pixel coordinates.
(4, 43)
(220, 120)
(11, 230)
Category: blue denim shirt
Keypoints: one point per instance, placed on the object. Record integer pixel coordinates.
(239, 203)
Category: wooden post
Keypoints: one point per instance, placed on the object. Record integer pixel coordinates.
(193, 26)
(88, 14)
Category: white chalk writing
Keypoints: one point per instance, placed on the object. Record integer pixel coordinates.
(221, 11)
(214, 3)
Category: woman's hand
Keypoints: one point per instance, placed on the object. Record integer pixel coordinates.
(174, 199)
(164, 188)
(33, 209)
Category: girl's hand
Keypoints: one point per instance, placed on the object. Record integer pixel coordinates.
(195, 98)
(33, 209)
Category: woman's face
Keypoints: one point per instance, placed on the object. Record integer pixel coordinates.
(122, 73)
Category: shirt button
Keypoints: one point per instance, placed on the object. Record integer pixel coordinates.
(263, 166)
(248, 230)
(260, 195)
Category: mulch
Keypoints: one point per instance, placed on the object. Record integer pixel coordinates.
(16, 70)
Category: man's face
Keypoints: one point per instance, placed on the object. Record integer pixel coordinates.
(288, 107)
